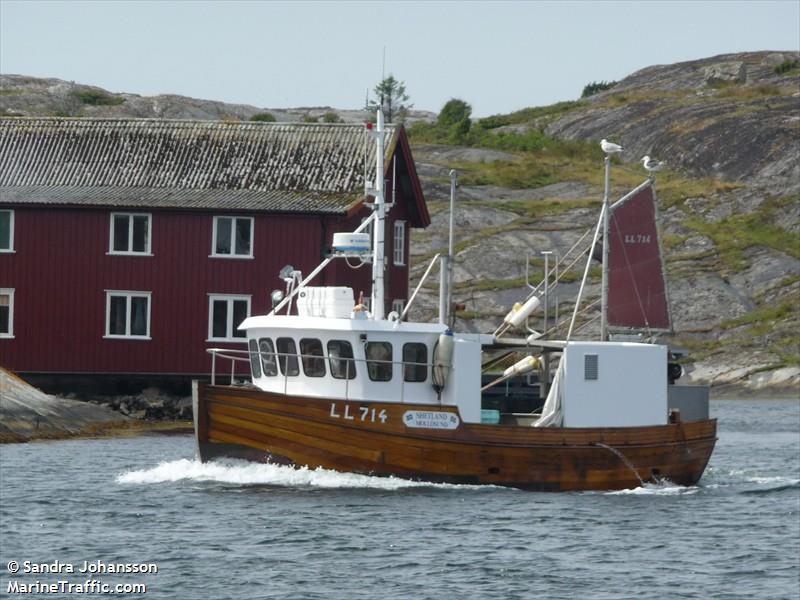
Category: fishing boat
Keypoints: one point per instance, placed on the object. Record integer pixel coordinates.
(336, 383)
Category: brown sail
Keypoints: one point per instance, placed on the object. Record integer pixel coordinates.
(637, 290)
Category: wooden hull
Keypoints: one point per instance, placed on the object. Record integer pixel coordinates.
(372, 438)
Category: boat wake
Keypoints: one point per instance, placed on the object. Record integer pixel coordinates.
(747, 482)
(244, 473)
(736, 482)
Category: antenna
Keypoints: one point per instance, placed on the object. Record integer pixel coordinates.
(383, 74)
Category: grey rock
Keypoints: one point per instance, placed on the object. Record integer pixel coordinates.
(725, 72)
(26, 412)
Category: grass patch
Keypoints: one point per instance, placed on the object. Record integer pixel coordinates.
(733, 235)
(526, 115)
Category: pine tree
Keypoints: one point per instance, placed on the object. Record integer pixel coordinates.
(391, 96)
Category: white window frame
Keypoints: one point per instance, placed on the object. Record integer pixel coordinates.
(129, 252)
(233, 218)
(230, 298)
(10, 333)
(399, 243)
(128, 295)
(10, 248)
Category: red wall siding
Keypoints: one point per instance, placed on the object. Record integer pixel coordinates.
(61, 269)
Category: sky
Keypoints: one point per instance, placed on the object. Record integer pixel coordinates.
(498, 56)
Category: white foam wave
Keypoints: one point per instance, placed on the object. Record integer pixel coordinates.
(241, 472)
(662, 488)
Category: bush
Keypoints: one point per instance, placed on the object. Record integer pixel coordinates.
(786, 66)
(264, 117)
(309, 119)
(331, 117)
(595, 87)
(97, 98)
(454, 120)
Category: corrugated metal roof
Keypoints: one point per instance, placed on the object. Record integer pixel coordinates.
(187, 164)
(170, 198)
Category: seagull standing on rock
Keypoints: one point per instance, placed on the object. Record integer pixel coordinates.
(610, 147)
(652, 165)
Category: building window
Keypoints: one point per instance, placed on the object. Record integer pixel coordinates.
(225, 314)
(379, 360)
(233, 237)
(287, 356)
(312, 357)
(6, 313)
(128, 315)
(400, 243)
(268, 363)
(130, 234)
(340, 354)
(415, 362)
(6, 230)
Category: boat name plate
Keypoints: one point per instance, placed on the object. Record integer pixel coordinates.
(427, 419)
(359, 413)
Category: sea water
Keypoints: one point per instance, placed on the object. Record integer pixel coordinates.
(229, 529)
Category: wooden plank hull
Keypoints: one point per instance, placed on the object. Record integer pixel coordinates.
(373, 438)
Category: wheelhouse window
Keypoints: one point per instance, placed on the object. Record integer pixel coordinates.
(340, 356)
(312, 357)
(130, 233)
(225, 314)
(255, 361)
(233, 237)
(415, 362)
(287, 356)
(379, 360)
(6, 313)
(269, 363)
(128, 315)
(6, 230)
(399, 243)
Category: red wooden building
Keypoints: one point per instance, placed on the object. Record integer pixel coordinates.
(128, 247)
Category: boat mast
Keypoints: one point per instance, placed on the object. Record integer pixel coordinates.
(379, 209)
(446, 268)
(604, 297)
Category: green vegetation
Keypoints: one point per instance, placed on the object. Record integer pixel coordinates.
(596, 87)
(764, 315)
(331, 117)
(391, 96)
(97, 98)
(734, 234)
(263, 117)
(787, 67)
(749, 92)
(309, 119)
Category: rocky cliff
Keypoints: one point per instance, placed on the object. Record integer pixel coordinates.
(729, 127)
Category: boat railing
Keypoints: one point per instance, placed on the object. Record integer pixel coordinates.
(282, 358)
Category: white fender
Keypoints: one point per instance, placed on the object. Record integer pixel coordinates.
(443, 359)
(519, 312)
(529, 363)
